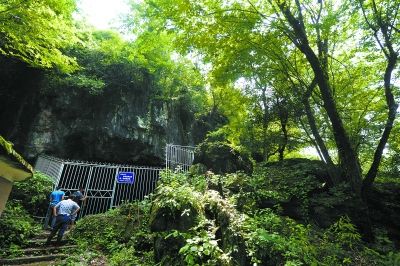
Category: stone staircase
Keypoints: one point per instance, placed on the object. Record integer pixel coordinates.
(38, 253)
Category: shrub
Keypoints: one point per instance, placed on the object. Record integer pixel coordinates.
(275, 240)
(16, 223)
(122, 234)
(33, 194)
(125, 256)
(202, 248)
(105, 231)
(16, 227)
(222, 157)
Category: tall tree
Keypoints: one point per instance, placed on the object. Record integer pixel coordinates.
(382, 19)
(333, 48)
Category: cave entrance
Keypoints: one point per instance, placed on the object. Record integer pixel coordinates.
(108, 185)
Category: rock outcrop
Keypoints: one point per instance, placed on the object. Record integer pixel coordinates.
(120, 123)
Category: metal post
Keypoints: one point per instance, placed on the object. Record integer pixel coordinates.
(60, 170)
(114, 186)
(86, 188)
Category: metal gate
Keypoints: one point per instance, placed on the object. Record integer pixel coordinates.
(179, 158)
(100, 182)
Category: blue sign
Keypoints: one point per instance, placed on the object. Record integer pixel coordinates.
(126, 177)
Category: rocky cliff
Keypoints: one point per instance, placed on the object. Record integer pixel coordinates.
(123, 124)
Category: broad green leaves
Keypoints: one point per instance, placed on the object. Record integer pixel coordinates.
(37, 31)
(255, 40)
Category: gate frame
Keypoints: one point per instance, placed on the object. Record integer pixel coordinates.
(180, 152)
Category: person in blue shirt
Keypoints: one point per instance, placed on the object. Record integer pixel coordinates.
(55, 197)
(64, 210)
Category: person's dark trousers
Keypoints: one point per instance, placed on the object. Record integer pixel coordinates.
(62, 222)
(52, 218)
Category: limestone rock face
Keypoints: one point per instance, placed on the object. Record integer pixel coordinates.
(116, 126)
(125, 122)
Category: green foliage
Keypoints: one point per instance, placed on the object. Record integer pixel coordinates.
(221, 235)
(83, 258)
(275, 239)
(202, 248)
(343, 233)
(121, 234)
(105, 61)
(267, 237)
(38, 31)
(33, 194)
(16, 227)
(261, 59)
(126, 256)
(174, 193)
(107, 231)
(28, 198)
(390, 168)
(334, 196)
(222, 157)
(195, 238)
(291, 181)
(391, 259)
(294, 176)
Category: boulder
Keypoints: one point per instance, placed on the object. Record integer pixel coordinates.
(220, 158)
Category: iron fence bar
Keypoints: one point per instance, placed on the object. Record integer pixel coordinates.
(146, 179)
(140, 185)
(103, 177)
(59, 174)
(69, 168)
(114, 187)
(87, 185)
(77, 171)
(95, 187)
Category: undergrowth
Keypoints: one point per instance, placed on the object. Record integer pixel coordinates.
(220, 233)
(17, 224)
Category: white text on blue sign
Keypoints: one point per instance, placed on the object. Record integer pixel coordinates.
(126, 177)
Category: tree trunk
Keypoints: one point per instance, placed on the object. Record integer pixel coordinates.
(333, 173)
(347, 156)
(282, 146)
(283, 119)
(265, 121)
(392, 109)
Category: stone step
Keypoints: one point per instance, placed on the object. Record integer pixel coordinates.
(39, 263)
(42, 235)
(45, 234)
(48, 249)
(38, 253)
(34, 243)
(32, 259)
